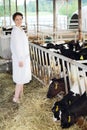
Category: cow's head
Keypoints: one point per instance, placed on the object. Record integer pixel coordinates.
(56, 86)
(67, 120)
(55, 109)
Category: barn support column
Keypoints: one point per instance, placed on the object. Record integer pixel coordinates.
(37, 9)
(80, 19)
(16, 6)
(54, 19)
(4, 21)
(25, 15)
(10, 10)
(25, 12)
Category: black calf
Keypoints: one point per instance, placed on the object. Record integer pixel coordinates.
(77, 109)
(64, 103)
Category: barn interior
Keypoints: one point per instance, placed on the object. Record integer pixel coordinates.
(48, 43)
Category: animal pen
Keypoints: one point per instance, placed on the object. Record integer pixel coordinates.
(46, 65)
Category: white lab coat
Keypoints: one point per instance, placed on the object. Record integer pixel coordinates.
(20, 52)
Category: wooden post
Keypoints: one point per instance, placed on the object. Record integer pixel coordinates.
(4, 22)
(54, 19)
(25, 12)
(80, 19)
(16, 6)
(37, 15)
(10, 11)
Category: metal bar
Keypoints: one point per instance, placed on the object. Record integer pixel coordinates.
(65, 75)
(37, 16)
(68, 73)
(4, 13)
(10, 11)
(80, 19)
(25, 11)
(54, 19)
(16, 6)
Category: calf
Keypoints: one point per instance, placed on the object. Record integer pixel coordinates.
(56, 86)
(68, 99)
(64, 103)
(75, 46)
(70, 53)
(77, 109)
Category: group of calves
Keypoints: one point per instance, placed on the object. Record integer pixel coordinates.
(71, 107)
(71, 49)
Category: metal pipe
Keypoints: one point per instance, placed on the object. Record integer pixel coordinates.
(4, 22)
(37, 6)
(10, 11)
(16, 6)
(80, 19)
(25, 12)
(54, 18)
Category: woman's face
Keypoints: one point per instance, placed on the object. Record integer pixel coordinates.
(18, 20)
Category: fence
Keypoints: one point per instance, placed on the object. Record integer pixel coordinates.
(47, 30)
(60, 34)
(47, 65)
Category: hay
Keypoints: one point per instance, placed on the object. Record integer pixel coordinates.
(34, 113)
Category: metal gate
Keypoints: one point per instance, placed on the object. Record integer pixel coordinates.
(47, 65)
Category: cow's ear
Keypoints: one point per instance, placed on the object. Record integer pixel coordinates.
(69, 119)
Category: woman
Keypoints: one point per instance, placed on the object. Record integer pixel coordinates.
(20, 56)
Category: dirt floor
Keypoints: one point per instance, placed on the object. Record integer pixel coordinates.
(34, 111)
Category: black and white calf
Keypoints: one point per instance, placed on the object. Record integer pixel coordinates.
(63, 104)
(69, 49)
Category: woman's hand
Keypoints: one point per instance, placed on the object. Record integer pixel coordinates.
(21, 64)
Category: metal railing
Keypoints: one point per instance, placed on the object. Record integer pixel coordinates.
(64, 35)
(47, 30)
(47, 65)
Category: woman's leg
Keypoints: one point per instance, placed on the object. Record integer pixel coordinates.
(18, 91)
(21, 92)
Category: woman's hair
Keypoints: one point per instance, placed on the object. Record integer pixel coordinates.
(17, 13)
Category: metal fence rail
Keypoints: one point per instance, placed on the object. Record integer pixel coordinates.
(58, 34)
(47, 65)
